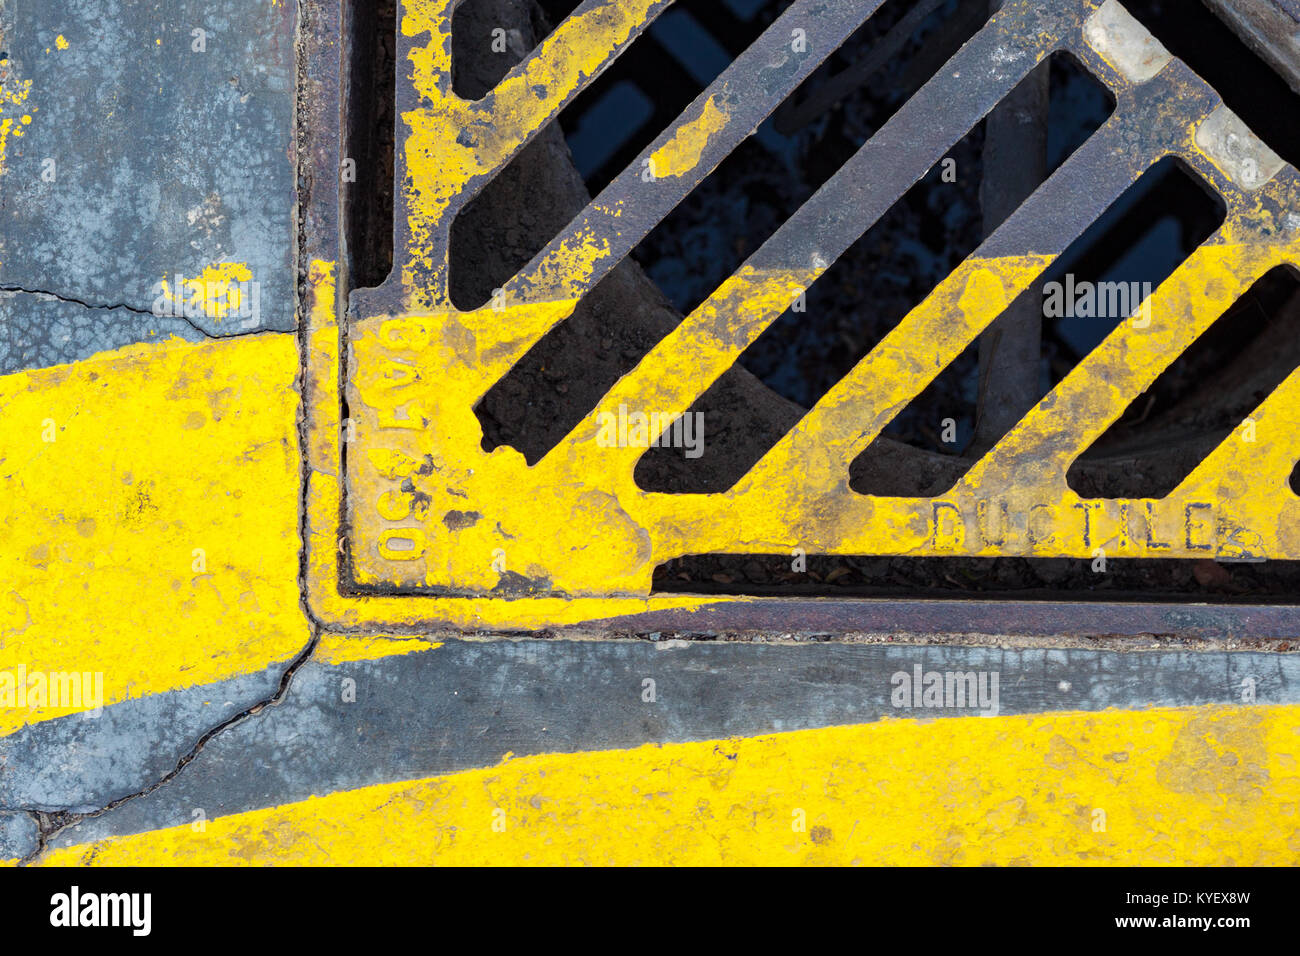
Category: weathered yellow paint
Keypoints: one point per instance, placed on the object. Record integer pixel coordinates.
(346, 648)
(148, 517)
(682, 152)
(61, 42)
(14, 119)
(429, 512)
(324, 496)
(577, 523)
(454, 141)
(1195, 786)
(565, 274)
(576, 520)
(215, 292)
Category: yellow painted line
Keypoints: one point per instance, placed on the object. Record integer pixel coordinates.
(345, 648)
(1194, 786)
(148, 519)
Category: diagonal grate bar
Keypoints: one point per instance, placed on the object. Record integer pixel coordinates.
(425, 511)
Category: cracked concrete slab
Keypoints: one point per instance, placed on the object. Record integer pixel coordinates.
(85, 762)
(173, 159)
(19, 835)
(39, 329)
(151, 139)
(466, 704)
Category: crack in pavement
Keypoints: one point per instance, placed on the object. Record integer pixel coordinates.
(52, 823)
(71, 300)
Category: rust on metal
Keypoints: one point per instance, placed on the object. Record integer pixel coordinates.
(412, 523)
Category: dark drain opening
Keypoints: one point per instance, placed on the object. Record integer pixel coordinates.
(1133, 247)
(701, 242)
(1022, 579)
(366, 181)
(1200, 399)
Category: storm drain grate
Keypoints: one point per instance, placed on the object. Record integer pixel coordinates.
(413, 521)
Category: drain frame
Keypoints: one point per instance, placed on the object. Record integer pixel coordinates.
(1144, 80)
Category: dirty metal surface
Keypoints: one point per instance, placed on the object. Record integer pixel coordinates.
(1270, 27)
(411, 522)
(151, 537)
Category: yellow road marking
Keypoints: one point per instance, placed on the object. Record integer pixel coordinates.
(148, 517)
(344, 648)
(1201, 786)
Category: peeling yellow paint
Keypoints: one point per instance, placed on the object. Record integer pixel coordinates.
(13, 118)
(682, 152)
(148, 517)
(216, 292)
(61, 42)
(346, 648)
(1196, 786)
(454, 141)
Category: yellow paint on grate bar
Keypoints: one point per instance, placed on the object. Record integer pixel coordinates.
(452, 141)
(435, 529)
